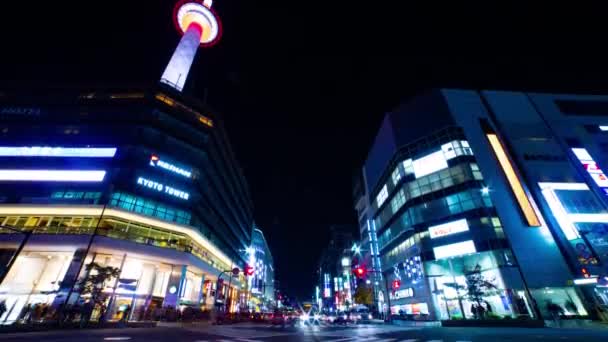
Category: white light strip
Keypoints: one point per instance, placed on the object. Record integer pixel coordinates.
(560, 214)
(604, 128)
(585, 281)
(563, 186)
(455, 249)
(47, 151)
(52, 175)
(97, 210)
(589, 218)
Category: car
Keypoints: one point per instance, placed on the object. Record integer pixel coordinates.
(282, 319)
(341, 319)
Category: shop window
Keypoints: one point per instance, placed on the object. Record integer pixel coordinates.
(562, 300)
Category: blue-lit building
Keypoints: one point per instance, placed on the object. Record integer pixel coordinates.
(143, 180)
(493, 200)
(261, 284)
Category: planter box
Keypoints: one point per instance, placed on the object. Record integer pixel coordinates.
(493, 323)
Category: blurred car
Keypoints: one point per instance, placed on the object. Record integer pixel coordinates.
(282, 318)
(341, 319)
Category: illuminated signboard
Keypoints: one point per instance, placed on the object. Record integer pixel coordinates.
(455, 249)
(162, 188)
(47, 151)
(594, 171)
(52, 175)
(429, 164)
(448, 228)
(156, 162)
(404, 293)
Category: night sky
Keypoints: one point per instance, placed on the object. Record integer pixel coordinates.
(303, 85)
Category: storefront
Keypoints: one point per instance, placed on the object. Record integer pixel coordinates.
(476, 286)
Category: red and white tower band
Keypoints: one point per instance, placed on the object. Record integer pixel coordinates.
(200, 27)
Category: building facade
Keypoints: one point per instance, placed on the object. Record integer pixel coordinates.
(492, 204)
(143, 181)
(336, 282)
(262, 283)
(370, 254)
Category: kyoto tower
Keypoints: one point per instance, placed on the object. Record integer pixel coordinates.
(199, 26)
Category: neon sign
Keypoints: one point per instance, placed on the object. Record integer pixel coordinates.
(162, 188)
(47, 151)
(156, 162)
(594, 171)
(404, 293)
(448, 228)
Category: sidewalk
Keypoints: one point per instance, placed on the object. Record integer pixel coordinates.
(576, 324)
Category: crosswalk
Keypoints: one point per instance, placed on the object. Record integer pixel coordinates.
(345, 339)
(260, 333)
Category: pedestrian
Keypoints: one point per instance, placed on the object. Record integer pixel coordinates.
(481, 311)
(474, 311)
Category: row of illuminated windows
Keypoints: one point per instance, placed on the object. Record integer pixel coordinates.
(433, 210)
(111, 227)
(93, 196)
(434, 182)
(425, 165)
(398, 253)
(150, 208)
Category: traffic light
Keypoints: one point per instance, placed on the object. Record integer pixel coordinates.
(248, 270)
(360, 271)
(396, 284)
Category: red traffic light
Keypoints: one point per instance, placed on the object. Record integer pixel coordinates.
(360, 271)
(396, 284)
(249, 270)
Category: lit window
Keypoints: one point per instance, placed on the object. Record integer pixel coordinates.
(398, 201)
(516, 187)
(382, 196)
(396, 175)
(455, 249)
(430, 163)
(408, 166)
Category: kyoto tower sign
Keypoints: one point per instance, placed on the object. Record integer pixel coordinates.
(200, 27)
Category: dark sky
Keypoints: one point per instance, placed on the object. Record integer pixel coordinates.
(303, 85)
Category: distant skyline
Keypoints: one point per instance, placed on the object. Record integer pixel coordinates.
(304, 88)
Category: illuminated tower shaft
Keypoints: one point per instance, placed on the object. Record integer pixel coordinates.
(200, 27)
(177, 70)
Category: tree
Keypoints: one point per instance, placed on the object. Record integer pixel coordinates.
(94, 284)
(364, 295)
(478, 285)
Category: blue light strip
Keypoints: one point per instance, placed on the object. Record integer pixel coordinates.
(47, 151)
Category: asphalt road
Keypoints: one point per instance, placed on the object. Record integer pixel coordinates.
(261, 332)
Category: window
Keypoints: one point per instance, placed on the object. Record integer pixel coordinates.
(396, 175)
(398, 201)
(476, 173)
(150, 208)
(382, 196)
(430, 163)
(408, 166)
(456, 148)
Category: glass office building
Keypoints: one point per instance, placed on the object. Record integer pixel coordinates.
(493, 209)
(142, 182)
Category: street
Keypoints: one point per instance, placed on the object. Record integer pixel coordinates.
(262, 332)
